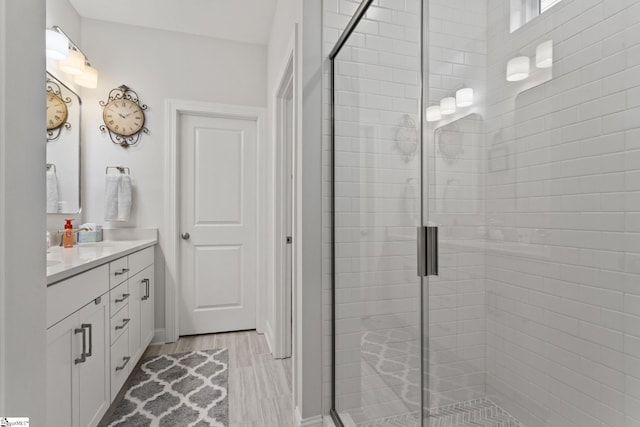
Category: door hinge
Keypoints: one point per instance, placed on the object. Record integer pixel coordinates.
(427, 251)
(289, 240)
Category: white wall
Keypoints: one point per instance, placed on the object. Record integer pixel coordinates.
(22, 210)
(158, 65)
(288, 13)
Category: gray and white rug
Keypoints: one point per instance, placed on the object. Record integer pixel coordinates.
(185, 389)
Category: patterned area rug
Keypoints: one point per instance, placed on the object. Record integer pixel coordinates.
(185, 389)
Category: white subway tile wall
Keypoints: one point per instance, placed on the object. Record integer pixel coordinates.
(562, 325)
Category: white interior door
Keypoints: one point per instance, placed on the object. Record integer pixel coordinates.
(218, 203)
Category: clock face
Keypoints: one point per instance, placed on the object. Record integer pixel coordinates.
(123, 117)
(56, 111)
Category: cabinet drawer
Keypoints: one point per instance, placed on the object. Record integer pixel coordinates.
(140, 260)
(118, 271)
(119, 323)
(120, 363)
(68, 296)
(119, 297)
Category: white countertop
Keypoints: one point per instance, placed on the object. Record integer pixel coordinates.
(63, 263)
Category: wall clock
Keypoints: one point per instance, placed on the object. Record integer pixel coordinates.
(57, 111)
(123, 116)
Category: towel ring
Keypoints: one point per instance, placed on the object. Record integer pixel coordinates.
(52, 165)
(121, 169)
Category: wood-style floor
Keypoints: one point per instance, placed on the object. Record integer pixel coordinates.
(259, 385)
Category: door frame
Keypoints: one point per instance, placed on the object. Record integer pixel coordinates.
(285, 253)
(170, 241)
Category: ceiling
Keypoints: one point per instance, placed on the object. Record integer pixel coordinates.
(247, 21)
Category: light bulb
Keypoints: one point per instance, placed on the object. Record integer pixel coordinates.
(544, 54)
(57, 45)
(447, 106)
(518, 69)
(464, 97)
(88, 78)
(74, 64)
(433, 113)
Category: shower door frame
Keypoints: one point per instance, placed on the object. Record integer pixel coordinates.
(424, 294)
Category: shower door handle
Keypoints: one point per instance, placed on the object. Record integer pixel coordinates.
(427, 251)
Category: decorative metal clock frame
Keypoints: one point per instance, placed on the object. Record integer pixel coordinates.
(54, 88)
(124, 92)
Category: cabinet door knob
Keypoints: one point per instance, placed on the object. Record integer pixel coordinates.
(185, 236)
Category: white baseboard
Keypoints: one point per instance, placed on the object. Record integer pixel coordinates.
(328, 421)
(316, 421)
(159, 337)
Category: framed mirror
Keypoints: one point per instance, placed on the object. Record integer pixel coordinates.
(63, 148)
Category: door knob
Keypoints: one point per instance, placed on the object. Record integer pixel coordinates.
(185, 236)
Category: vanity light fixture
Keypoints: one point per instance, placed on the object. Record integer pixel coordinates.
(464, 97)
(518, 69)
(76, 62)
(88, 78)
(447, 106)
(57, 45)
(433, 113)
(544, 54)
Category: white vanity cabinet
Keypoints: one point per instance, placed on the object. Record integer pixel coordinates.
(98, 325)
(78, 391)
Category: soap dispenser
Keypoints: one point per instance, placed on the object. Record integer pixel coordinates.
(67, 236)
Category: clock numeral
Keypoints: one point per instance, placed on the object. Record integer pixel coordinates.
(56, 117)
(109, 115)
(136, 124)
(138, 118)
(117, 127)
(110, 122)
(50, 122)
(124, 104)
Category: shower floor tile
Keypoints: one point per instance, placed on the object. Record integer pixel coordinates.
(474, 413)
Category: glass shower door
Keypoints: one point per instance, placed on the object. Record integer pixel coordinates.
(377, 207)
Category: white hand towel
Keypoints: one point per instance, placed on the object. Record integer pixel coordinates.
(52, 191)
(111, 197)
(124, 198)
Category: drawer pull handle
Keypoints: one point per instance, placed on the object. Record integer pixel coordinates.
(121, 272)
(125, 360)
(89, 326)
(146, 290)
(83, 356)
(124, 297)
(124, 323)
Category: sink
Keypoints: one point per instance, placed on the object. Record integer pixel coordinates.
(52, 262)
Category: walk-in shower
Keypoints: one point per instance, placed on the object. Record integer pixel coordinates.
(513, 128)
